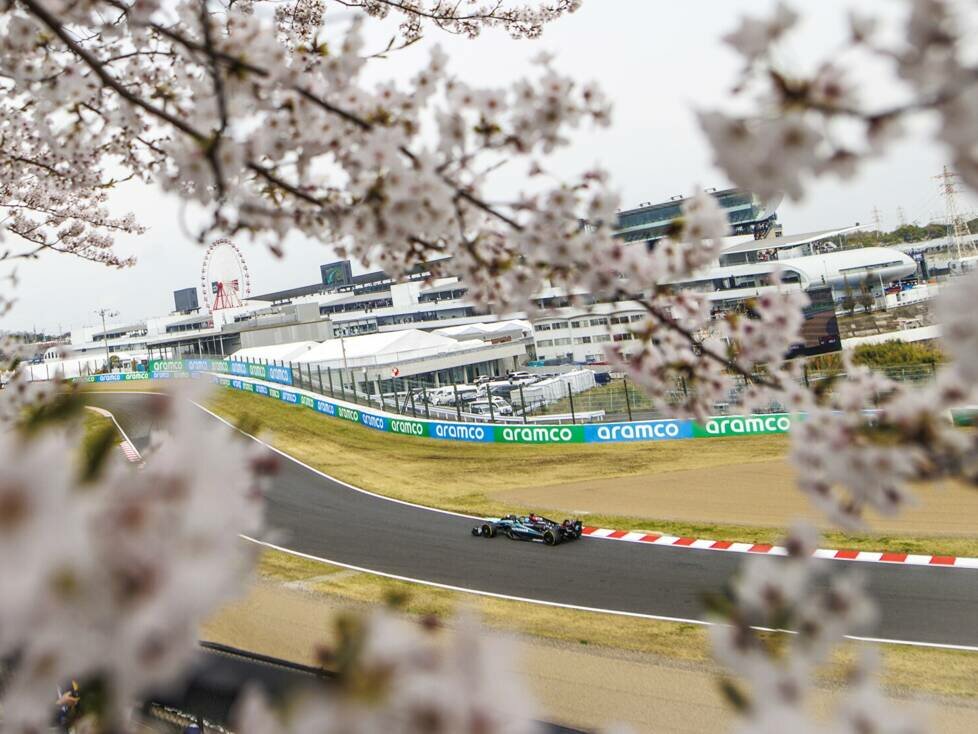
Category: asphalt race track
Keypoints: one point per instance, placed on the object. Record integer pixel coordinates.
(322, 518)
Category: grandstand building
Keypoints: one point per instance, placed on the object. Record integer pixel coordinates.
(748, 216)
(572, 327)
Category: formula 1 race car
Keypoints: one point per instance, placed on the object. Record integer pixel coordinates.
(530, 527)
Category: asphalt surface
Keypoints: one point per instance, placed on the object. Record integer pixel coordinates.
(314, 515)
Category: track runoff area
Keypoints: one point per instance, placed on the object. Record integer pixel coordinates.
(933, 604)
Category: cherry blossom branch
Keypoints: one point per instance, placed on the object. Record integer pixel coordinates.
(49, 20)
(237, 65)
(732, 365)
(519, 21)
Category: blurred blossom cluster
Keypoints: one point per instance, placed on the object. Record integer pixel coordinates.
(867, 436)
(821, 603)
(809, 124)
(107, 568)
(406, 678)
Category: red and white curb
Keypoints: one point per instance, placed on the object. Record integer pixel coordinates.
(130, 452)
(126, 445)
(633, 536)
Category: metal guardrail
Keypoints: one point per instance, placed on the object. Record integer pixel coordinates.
(412, 400)
(620, 400)
(590, 416)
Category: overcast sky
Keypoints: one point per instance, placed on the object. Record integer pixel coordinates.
(658, 62)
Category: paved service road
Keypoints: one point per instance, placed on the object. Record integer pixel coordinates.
(328, 520)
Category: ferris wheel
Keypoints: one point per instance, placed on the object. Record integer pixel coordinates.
(224, 278)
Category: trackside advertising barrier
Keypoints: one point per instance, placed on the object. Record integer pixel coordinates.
(185, 367)
(738, 425)
(268, 373)
(166, 369)
(657, 430)
(118, 377)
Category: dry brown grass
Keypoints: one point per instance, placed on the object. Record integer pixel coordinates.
(905, 669)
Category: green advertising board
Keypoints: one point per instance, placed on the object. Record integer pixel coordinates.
(538, 434)
(408, 427)
(118, 377)
(739, 425)
(348, 414)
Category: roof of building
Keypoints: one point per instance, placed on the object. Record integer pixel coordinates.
(381, 347)
(196, 319)
(488, 329)
(289, 293)
(110, 329)
(374, 276)
(787, 241)
(679, 200)
(453, 285)
(938, 243)
(812, 267)
(280, 352)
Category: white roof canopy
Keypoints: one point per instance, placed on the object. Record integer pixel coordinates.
(278, 352)
(387, 346)
(488, 329)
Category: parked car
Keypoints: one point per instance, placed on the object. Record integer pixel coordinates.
(499, 407)
(602, 378)
(466, 393)
(447, 394)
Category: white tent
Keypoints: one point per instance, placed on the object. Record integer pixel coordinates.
(487, 330)
(463, 331)
(579, 380)
(555, 388)
(381, 348)
(275, 352)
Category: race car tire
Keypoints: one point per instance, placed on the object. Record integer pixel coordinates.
(488, 531)
(511, 535)
(550, 537)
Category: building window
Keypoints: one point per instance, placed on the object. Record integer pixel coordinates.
(545, 343)
(576, 324)
(624, 337)
(637, 317)
(582, 340)
(561, 342)
(599, 322)
(599, 338)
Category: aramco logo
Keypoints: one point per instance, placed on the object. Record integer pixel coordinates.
(748, 424)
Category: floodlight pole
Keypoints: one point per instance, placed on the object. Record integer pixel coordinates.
(103, 312)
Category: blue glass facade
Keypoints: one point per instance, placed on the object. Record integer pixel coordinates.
(747, 214)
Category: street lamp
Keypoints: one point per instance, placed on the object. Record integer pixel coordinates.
(103, 312)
